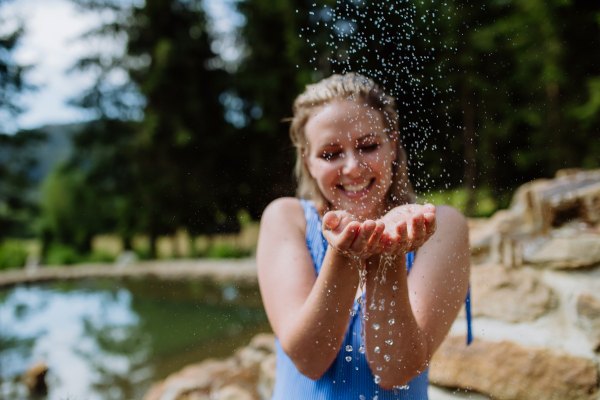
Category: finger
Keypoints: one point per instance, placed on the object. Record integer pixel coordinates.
(402, 237)
(361, 240)
(428, 208)
(348, 235)
(375, 244)
(430, 225)
(331, 220)
(417, 231)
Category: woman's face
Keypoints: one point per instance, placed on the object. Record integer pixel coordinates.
(350, 155)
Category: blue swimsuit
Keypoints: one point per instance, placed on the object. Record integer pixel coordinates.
(351, 380)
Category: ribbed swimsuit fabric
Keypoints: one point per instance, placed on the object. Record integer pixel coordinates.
(344, 380)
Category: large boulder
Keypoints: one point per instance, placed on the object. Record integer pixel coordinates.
(588, 318)
(244, 376)
(508, 371)
(575, 251)
(508, 294)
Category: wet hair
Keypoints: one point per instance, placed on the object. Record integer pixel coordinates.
(346, 87)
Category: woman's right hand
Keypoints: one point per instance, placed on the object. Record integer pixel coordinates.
(352, 238)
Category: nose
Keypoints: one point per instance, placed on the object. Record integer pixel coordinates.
(353, 165)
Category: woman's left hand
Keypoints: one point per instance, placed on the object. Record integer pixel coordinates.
(408, 227)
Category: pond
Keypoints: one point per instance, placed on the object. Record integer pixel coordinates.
(111, 339)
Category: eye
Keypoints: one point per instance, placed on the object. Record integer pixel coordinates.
(369, 147)
(330, 155)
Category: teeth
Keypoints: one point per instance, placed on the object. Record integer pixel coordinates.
(356, 188)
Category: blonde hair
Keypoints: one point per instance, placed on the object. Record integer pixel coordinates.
(353, 87)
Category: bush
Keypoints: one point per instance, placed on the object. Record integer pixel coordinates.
(224, 250)
(100, 256)
(60, 254)
(12, 255)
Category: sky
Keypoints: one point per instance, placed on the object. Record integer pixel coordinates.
(51, 45)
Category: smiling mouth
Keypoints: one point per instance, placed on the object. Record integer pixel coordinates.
(357, 188)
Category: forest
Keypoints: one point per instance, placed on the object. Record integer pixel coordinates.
(491, 94)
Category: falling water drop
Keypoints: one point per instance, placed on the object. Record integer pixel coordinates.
(376, 349)
(376, 327)
(348, 348)
(348, 358)
(389, 341)
(391, 321)
(361, 349)
(377, 379)
(387, 357)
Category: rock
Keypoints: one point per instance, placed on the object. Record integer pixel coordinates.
(35, 379)
(266, 377)
(566, 252)
(482, 231)
(508, 294)
(232, 392)
(588, 318)
(509, 371)
(572, 195)
(248, 375)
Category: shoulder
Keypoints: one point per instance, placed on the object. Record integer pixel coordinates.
(449, 217)
(285, 212)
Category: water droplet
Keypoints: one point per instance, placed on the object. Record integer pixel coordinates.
(361, 397)
(390, 342)
(361, 349)
(376, 349)
(377, 379)
(391, 321)
(348, 358)
(387, 357)
(403, 387)
(348, 348)
(393, 303)
(366, 317)
(376, 327)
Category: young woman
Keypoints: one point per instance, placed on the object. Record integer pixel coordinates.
(341, 334)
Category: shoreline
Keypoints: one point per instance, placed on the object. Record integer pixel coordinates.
(242, 271)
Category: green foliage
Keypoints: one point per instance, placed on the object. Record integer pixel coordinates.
(225, 250)
(18, 175)
(63, 254)
(12, 254)
(484, 206)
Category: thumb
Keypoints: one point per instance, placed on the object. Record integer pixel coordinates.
(331, 220)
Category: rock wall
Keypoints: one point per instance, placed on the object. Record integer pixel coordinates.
(536, 306)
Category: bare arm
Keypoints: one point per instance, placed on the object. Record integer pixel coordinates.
(309, 314)
(419, 309)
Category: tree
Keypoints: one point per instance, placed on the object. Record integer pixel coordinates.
(16, 164)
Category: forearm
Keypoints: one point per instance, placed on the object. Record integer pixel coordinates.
(315, 333)
(396, 348)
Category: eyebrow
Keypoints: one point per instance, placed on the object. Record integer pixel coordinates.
(366, 136)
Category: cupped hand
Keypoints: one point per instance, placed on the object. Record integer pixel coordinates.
(352, 238)
(408, 227)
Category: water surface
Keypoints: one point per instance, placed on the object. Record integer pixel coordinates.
(111, 339)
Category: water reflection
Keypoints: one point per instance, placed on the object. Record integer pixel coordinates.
(106, 339)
